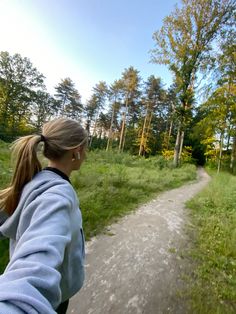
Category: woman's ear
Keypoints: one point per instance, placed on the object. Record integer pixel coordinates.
(76, 156)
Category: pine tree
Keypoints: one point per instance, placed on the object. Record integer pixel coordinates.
(115, 95)
(131, 84)
(68, 100)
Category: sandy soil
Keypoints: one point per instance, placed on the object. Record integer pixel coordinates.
(136, 267)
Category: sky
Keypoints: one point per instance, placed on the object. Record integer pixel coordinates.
(86, 40)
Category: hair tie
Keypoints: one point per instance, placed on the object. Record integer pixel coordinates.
(43, 139)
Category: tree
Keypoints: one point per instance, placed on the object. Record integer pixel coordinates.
(90, 112)
(103, 125)
(184, 43)
(218, 117)
(18, 82)
(115, 94)
(42, 105)
(226, 74)
(68, 99)
(172, 102)
(154, 96)
(131, 83)
(99, 96)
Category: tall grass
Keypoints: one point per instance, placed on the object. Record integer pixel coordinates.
(5, 167)
(5, 175)
(110, 185)
(213, 288)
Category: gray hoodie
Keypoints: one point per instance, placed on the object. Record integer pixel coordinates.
(46, 247)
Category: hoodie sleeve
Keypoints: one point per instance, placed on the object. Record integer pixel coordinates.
(3, 218)
(31, 281)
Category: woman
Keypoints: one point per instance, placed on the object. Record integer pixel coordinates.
(40, 215)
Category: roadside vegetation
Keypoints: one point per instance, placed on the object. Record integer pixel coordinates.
(213, 285)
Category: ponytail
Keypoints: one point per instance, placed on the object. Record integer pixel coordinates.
(24, 151)
(59, 136)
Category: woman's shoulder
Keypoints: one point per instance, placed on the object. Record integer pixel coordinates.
(48, 183)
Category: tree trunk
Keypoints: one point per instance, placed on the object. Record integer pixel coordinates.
(110, 130)
(180, 138)
(141, 147)
(181, 147)
(228, 138)
(122, 131)
(148, 129)
(221, 150)
(94, 130)
(125, 132)
(169, 134)
(233, 156)
(121, 144)
(177, 147)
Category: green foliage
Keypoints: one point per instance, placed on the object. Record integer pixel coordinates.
(213, 286)
(18, 82)
(184, 43)
(43, 106)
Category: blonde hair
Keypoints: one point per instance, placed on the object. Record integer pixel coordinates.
(59, 136)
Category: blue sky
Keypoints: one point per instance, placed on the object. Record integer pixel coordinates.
(87, 40)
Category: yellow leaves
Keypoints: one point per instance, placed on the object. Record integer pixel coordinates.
(168, 154)
(186, 155)
(209, 140)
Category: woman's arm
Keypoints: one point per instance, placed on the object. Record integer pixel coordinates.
(31, 281)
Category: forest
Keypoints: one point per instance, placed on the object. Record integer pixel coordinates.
(193, 119)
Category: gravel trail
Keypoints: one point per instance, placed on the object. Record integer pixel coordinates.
(135, 267)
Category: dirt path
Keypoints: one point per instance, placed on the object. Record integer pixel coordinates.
(135, 269)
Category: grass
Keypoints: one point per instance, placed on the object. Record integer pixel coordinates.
(5, 169)
(110, 185)
(5, 175)
(213, 286)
